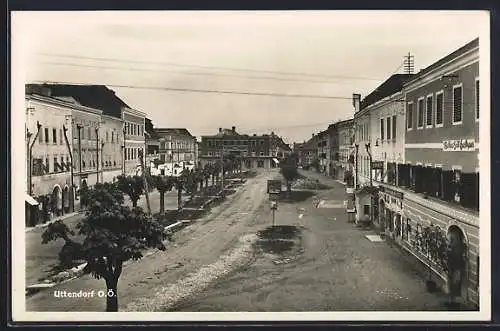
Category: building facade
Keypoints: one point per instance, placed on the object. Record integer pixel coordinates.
(306, 152)
(48, 166)
(255, 151)
(439, 184)
(323, 152)
(344, 164)
(111, 156)
(135, 141)
(176, 145)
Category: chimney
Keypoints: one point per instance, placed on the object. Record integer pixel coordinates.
(272, 133)
(313, 135)
(220, 130)
(356, 100)
(233, 129)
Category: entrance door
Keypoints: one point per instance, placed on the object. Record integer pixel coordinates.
(457, 262)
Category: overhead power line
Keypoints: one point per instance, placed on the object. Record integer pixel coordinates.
(188, 73)
(204, 91)
(209, 67)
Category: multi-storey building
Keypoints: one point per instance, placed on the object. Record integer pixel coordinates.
(333, 150)
(439, 184)
(345, 162)
(48, 166)
(362, 121)
(111, 135)
(135, 141)
(176, 145)
(306, 151)
(255, 151)
(323, 151)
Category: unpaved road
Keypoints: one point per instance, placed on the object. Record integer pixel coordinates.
(337, 269)
(42, 258)
(199, 245)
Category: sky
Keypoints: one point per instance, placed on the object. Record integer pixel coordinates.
(324, 56)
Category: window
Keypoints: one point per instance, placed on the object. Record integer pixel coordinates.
(428, 115)
(477, 98)
(90, 133)
(54, 136)
(439, 109)
(420, 113)
(457, 104)
(388, 128)
(381, 129)
(62, 163)
(56, 166)
(40, 137)
(112, 136)
(61, 136)
(107, 136)
(82, 133)
(394, 126)
(366, 209)
(47, 164)
(46, 131)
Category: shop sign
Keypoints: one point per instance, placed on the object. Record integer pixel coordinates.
(377, 164)
(460, 145)
(274, 186)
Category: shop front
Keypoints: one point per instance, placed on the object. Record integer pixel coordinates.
(390, 211)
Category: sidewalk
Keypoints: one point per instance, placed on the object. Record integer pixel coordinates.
(55, 219)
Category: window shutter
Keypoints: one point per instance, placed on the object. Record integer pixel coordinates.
(382, 129)
(457, 104)
(439, 109)
(394, 126)
(428, 118)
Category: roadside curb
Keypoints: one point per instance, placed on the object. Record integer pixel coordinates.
(44, 225)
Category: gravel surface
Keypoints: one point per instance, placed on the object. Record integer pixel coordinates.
(199, 245)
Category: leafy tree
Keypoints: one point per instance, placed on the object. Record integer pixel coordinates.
(315, 163)
(216, 170)
(71, 249)
(133, 186)
(200, 178)
(191, 183)
(288, 169)
(180, 185)
(113, 234)
(163, 184)
(207, 172)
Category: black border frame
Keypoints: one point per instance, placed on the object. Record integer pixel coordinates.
(46, 5)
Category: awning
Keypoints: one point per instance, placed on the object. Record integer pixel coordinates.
(276, 161)
(29, 199)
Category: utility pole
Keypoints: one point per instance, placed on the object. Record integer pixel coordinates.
(123, 150)
(97, 152)
(79, 128)
(72, 201)
(142, 161)
(409, 64)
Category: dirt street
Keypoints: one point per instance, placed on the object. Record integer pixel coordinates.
(333, 268)
(198, 245)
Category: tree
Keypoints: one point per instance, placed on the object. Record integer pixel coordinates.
(216, 169)
(200, 178)
(163, 184)
(288, 168)
(207, 172)
(191, 183)
(133, 186)
(180, 185)
(113, 234)
(315, 163)
(71, 249)
(442, 251)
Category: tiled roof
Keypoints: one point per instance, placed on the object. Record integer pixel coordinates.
(178, 131)
(392, 85)
(93, 96)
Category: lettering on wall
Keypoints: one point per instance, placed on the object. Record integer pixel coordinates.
(460, 145)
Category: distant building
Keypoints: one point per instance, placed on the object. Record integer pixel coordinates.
(176, 145)
(344, 151)
(255, 151)
(306, 151)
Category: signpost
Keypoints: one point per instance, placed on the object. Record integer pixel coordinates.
(378, 165)
(274, 191)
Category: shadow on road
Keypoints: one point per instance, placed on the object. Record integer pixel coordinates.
(278, 239)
